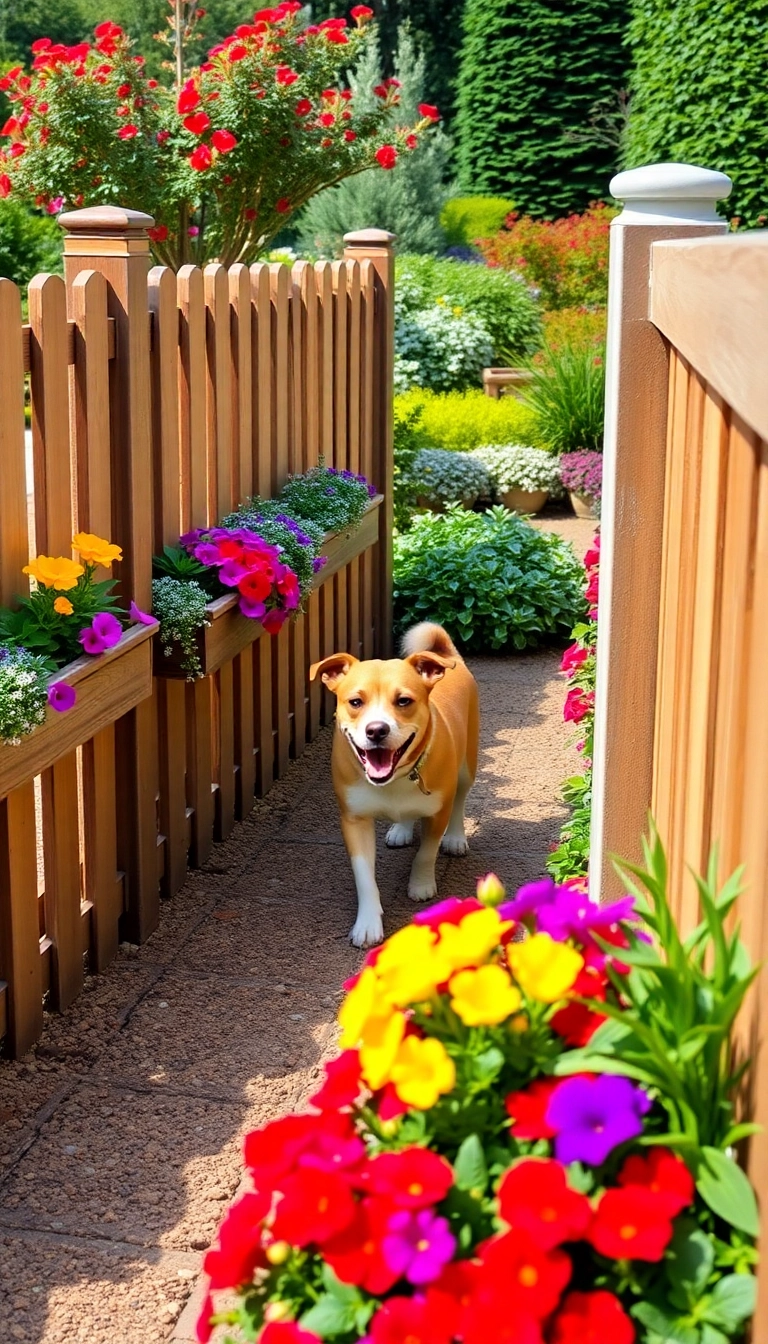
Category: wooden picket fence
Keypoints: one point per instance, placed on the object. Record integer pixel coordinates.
(159, 402)
(683, 718)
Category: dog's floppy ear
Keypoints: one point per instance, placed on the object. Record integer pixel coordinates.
(331, 670)
(430, 666)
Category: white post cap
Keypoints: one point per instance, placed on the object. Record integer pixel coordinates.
(670, 193)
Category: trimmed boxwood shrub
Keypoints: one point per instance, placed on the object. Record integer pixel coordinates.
(531, 73)
(491, 579)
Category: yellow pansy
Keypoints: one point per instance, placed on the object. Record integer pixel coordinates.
(410, 966)
(380, 1043)
(471, 942)
(54, 572)
(95, 549)
(484, 997)
(423, 1071)
(361, 1003)
(63, 606)
(544, 969)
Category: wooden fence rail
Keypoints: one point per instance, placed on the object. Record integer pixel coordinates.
(159, 403)
(692, 558)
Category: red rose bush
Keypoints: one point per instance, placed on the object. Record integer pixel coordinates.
(524, 1140)
(220, 160)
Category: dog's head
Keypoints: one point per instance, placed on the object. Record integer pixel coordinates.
(383, 707)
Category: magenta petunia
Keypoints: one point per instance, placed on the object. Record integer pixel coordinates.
(91, 642)
(108, 629)
(207, 553)
(418, 1245)
(255, 611)
(231, 572)
(139, 616)
(61, 696)
(274, 620)
(529, 899)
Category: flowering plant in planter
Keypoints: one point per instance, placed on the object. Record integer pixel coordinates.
(438, 478)
(331, 498)
(582, 474)
(223, 158)
(525, 1139)
(570, 859)
(514, 466)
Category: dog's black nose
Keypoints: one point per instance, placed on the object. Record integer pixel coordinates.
(376, 732)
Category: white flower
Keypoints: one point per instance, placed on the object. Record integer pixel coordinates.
(448, 478)
(517, 467)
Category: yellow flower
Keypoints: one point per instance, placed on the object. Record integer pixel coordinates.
(422, 1072)
(380, 1043)
(54, 572)
(361, 1003)
(95, 549)
(410, 966)
(490, 890)
(471, 942)
(484, 997)
(545, 970)
(63, 606)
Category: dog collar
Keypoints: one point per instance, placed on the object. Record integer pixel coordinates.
(415, 773)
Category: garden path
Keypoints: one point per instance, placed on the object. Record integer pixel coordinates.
(120, 1132)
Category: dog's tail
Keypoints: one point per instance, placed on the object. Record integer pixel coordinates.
(428, 638)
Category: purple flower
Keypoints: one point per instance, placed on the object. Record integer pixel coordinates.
(529, 899)
(207, 553)
(591, 1116)
(108, 629)
(191, 538)
(318, 562)
(372, 492)
(573, 915)
(442, 912)
(255, 611)
(91, 642)
(418, 1245)
(582, 473)
(143, 617)
(231, 572)
(329, 490)
(61, 696)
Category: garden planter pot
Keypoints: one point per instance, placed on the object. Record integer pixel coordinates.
(107, 686)
(230, 632)
(524, 501)
(583, 506)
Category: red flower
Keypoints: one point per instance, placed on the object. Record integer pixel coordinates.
(503, 1322)
(128, 132)
(5, 185)
(282, 205)
(303, 107)
(577, 705)
(409, 1320)
(197, 122)
(224, 141)
(389, 1104)
(274, 621)
(273, 1151)
(386, 157)
(285, 75)
(239, 1251)
(256, 585)
(413, 1178)
(326, 119)
(336, 35)
(203, 1327)
(315, 1206)
(428, 111)
(188, 99)
(287, 1332)
(573, 657)
(576, 1023)
(162, 136)
(631, 1224)
(518, 1270)
(342, 1083)
(592, 1318)
(535, 1197)
(528, 1109)
(665, 1174)
(349, 136)
(411, 141)
(356, 1254)
(238, 52)
(201, 158)
(159, 233)
(361, 12)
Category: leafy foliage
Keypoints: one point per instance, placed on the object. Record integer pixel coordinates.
(697, 93)
(491, 579)
(565, 259)
(530, 75)
(409, 439)
(461, 421)
(498, 299)
(36, 625)
(440, 348)
(570, 858)
(29, 243)
(468, 218)
(574, 327)
(567, 398)
(449, 478)
(408, 200)
(330, 499)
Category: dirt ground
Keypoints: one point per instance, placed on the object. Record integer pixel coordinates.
(120, 1133)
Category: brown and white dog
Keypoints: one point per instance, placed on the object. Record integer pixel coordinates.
(405, 749)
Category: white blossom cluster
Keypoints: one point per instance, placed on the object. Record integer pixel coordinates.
(448, 478)
(440, 348)
(514, 466)
(23, 694)
(180, 608)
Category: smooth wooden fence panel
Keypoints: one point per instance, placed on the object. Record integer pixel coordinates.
(710, 769)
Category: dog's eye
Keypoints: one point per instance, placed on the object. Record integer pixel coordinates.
(403, 701)
(355, 702)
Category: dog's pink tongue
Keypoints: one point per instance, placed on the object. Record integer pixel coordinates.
(378, 762)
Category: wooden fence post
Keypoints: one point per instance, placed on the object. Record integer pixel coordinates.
(114, 242)
(377, 246)
(664, 201)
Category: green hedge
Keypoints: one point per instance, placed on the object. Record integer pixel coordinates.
(698, 92)
(465, 218)
(531, 72)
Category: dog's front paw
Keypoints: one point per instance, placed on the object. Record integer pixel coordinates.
(400, 835)
(367, 931)
(455, 844)
(422, 890)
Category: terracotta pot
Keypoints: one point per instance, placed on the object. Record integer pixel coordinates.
(524, 501)
(583, 506)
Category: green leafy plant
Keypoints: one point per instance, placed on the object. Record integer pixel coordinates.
(515, 467)
(567, 398)
(439, 347)
(442, 478)
(332, 499)
(461, 421)
(491, 579)
(29, 243)
(409, 439)
(496, 297)
(55, 620)
(223, 156)
(467, 218)
(570, 857)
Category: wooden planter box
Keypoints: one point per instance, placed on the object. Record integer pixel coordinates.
(230, 632)
(108, 686)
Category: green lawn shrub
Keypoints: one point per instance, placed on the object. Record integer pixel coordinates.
(501, 300)
(467, 218)
(461, 421)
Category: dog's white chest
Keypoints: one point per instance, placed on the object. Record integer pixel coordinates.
(402, 800)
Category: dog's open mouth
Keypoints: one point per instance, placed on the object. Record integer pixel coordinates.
(380, 763)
